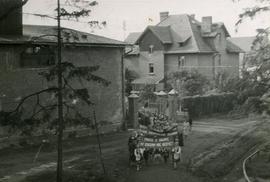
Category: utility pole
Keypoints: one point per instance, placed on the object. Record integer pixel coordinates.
(60, 98)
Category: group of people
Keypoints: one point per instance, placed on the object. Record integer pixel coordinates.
(159, 123)
(140, 155)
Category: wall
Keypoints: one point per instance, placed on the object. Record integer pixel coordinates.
(171, 62)
(15, 81)
(13, 22)
(229, 61)
(150, 39)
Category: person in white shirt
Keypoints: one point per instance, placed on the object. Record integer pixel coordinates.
(138, 157)
(176, 155)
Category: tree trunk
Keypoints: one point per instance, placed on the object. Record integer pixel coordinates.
(60, 99)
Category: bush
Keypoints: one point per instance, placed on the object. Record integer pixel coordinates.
(209, 104)
(188, 83)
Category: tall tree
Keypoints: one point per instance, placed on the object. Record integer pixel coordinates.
(259, 57)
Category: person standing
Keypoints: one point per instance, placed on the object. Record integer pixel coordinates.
(165, 155)
(185, 129)
(180, 139)
(190, 122)
(146, 155)
(176, 155)
(138, 157)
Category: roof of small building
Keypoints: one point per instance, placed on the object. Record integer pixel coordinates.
(47, 34)
(151, 79)
(132, 37)
(232, 48)
(245, 43)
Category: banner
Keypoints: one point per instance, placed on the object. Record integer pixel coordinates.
(156, 139)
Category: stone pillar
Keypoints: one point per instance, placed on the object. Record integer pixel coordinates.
(172, 104)
(162, 100)
(133, 111)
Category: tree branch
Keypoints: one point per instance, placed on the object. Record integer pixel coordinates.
(31, 95)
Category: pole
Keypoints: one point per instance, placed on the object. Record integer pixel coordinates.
(99, 145)
(60, 99)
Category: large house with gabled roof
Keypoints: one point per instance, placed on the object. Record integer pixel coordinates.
(180, 42)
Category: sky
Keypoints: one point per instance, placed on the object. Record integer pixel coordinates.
(125, 16)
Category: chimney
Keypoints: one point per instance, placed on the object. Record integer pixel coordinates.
(11, 17)
(163, 15)
(192, 16)
(206, 24)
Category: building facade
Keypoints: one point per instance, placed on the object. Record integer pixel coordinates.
(180, 42)
(26, 52)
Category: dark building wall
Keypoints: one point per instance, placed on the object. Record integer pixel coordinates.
(150, 39)
(17, 82)
(12, 23)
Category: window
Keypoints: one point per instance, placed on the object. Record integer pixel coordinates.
(181, 44)
(151, 49)
(181, 61)
(151, 67)
(37, 57)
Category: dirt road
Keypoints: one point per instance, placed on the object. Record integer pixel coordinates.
(81, 153)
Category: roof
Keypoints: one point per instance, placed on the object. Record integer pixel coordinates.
(132, 37)
(215, 28)
(232, 48)
(147, 80)
(47, 34)
(162, 33)
(245, 43)
(134, 50)
(187, 28)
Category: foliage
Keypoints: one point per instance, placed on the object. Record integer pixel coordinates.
(188, 83)
(251, 12)
(130, 75)
(147, 94)
(209, 104)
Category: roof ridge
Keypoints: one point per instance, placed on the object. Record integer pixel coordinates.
(196, 43)
(78, 31)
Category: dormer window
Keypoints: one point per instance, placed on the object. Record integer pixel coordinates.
(151, 49)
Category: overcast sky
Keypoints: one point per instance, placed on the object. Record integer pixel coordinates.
(136, 14)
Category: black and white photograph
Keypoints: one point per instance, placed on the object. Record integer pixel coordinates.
(134, 90)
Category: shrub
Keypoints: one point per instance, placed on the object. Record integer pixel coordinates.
(209, 104)
(188, 83)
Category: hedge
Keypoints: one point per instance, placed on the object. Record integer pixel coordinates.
(209, 104)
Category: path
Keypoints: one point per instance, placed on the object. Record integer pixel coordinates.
(205, 134)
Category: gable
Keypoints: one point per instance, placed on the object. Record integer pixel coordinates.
(149, 38)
